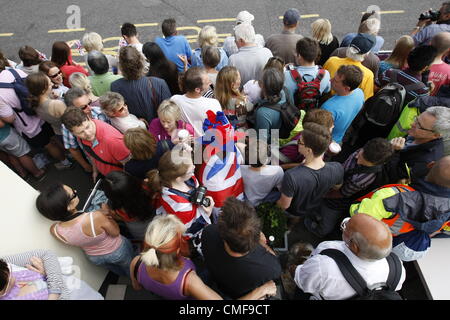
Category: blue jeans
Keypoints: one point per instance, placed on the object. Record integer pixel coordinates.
(117, 261)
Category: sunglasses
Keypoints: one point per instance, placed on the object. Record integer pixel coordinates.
(55, 75)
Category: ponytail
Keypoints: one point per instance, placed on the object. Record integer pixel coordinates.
(154, 180)
(150, 258)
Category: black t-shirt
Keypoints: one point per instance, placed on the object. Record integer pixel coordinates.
(326, 50)
(306, 186)
(237, 276)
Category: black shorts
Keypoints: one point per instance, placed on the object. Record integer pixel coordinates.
(43, 138)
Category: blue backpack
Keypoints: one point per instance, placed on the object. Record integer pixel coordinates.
(21, 91)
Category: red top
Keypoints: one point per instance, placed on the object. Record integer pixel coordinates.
(68, 68)
(109, 146)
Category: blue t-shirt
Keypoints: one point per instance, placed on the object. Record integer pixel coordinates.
(309, 73)
(267, 119)
(344, 109)
(173, 46)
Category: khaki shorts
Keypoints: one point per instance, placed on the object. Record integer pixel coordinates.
(14, 144)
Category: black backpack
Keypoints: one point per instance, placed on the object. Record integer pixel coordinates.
(307, 95)
(21, 91)
(354, 279)
(377, 116)
(290, 115)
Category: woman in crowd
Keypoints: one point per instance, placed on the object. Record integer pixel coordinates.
(399, 55)
(321, 31)
(175, 181)
(55, 75)
(161, 67)
(93, 41)
(235, 105)
(169, 123)
(62, 57)
(144, 156)
(142, 94)
(129, 202)
(211, 58)
(94, 232)
(80, 80)
(208, 37)
(49, 110)
(30, 59)
(165, 270)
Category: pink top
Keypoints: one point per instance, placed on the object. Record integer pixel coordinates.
(94, 246)
(160, 133)
(439, 75)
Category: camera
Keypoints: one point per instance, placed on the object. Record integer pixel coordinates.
(198, 197)
(430, 15)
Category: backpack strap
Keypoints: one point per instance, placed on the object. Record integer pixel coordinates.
(296, 76)
(96, 157)
(349, 272)
(320, 74)
(395, 271)
(15, 74)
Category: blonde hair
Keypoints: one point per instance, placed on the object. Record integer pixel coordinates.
(224, 90)
(399, 55)
(321, 31)
(208, 36)
(110, 101)
(92, 41)
(169, 109)
(161, 231)
(140, 142)
(172, 164)
(80, 80)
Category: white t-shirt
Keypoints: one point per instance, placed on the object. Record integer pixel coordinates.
(258, 184)
(124, 123)
(193, 111)
(321, 277)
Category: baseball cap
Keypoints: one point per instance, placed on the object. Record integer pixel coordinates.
(363, 42)
(291, 16)
(244, 17)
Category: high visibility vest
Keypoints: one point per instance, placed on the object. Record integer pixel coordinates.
(404, 122)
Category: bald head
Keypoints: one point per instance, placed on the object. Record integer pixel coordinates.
(368, 238)
(98, 62)
(441, 42)
(440, 173)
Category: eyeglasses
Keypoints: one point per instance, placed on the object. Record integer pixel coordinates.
(74, 195)
(8, 284)
(344, 224)
(416, 120)
(55, 75)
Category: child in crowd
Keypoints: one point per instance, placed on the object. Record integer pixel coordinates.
(113, 105)
(169, 123)
(175, 181)
(97, 234)
(260, 179)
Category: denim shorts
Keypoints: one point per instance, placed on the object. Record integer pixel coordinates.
(117, 261)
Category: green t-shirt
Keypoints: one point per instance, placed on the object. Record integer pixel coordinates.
(102, 83)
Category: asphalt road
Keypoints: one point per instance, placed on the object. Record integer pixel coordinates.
(40, 23)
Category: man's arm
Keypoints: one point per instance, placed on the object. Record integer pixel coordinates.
(284, 202)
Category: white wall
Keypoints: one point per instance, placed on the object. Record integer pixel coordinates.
(23, 228)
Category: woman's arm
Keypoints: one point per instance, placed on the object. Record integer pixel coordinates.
(196, 288)
(134, 282)
(56, 286)
(267, 289)
(108, 225)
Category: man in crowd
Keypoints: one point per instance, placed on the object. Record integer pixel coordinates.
(102, 142)
(439, 70)
(348, 100)
(366, 243)
(356, 52)
(307, 51)
(101, 79)
(283, 45)
(192, 104)
(250, 59)
(425, 30)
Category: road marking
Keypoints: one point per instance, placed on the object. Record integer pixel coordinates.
(150, 24)
(66, 30)
(6, 34)
(305, 16)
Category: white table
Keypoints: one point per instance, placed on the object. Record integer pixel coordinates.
(434, 269)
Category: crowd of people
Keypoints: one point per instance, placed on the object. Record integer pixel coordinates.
(350, 144)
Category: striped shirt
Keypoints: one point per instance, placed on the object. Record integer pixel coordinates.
(142, 101)
(412, 82)
(357, 182)
(52, 269)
